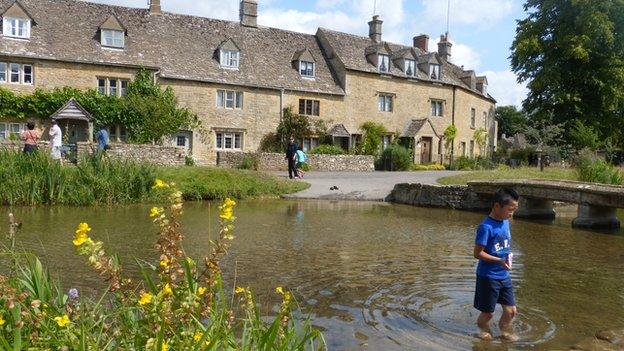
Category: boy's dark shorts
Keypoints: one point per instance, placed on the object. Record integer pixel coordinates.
(489, 292)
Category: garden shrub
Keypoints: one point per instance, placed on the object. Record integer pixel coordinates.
(464, 163)
(326, 149)
(597, 170)
(429, 167)
(394, 158)
(249, 162)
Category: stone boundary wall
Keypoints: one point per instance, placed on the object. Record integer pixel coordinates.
(155, 154)
(319, 163)
(460, 197)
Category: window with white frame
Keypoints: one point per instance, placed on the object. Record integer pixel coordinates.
(385, 102)
(309, 107)
(11, 131)
(309, 143)
(113, 38)
(384, 63)
(230, 99)
(410, 67)
(229, 58)
(437, 108)
(16, 27)
(16, 73)
(473, 117)
(306, 69)
(434, 71)
(112, 86)
(229, 140)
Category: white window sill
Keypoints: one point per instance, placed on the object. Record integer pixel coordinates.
(229, 150)
(16, 38)
(113, 48)
(309, 77)
(230, 68)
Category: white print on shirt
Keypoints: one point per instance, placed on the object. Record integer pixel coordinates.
(498, 247)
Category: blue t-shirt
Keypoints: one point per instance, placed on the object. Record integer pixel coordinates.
(495, 236)
(301, 156)
(102, 138)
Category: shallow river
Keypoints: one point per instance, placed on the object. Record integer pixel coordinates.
(373, 276)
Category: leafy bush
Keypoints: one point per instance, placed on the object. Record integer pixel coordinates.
(189, 160)
(464, 163)
(249, 162)
(394, 158)
(326, 149)
(305, 167)
(430, 167)
(371, 143)
(524, 156)
(179, 304)
(596, 170)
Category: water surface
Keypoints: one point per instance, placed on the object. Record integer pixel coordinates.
(373, 276)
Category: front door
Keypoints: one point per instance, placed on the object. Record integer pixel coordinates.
(425, 148)
(183, 139)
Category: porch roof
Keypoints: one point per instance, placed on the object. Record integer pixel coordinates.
(72, 110)
(339, 130)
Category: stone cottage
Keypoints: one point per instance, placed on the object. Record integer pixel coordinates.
(239, 76)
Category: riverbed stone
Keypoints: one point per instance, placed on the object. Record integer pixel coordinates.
(594, 344)
(429, 195)
(612, 336)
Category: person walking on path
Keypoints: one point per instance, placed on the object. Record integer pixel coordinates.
(102, 139)
(30, 138)
(291, 156)
(301, 159)
(493, 250)
(56, 141)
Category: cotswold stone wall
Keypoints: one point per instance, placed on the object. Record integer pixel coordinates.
(156, 154)
(459, 197)
(320, 163)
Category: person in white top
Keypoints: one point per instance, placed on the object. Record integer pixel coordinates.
(56, 141)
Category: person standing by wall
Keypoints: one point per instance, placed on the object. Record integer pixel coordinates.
(291, 156)
(102, 139)
(56, 141)
(30, 138)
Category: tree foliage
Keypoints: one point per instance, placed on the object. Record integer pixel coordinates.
(584, 136)
(371, 142)
(511, 121)
(571, 53)
(147, 111)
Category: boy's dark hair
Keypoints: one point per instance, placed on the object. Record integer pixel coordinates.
(299, 148)
(504, 196)
(30, 125)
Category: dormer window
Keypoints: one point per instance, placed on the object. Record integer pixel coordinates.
(16, 27)
(113, 38)
(306, 69)
(230, 58)
(384, 63)
(434, 71)
(410, 67)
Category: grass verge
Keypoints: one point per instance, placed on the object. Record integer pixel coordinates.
(552, 173)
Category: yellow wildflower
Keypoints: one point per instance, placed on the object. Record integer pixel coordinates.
(145, 299)
(228, 202)
(167, 290)
(201, 291)
(83, 228)
(226, 213)
(229, 237)
(279, 290)
(156, 211)
(2, 321)
(81, 234)
(198, 335)
(159, 184)
(239, 290)
(62, 321)
(164, 347)
(164, 262)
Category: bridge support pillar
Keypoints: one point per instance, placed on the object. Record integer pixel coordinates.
(596, 217)
(534, 208)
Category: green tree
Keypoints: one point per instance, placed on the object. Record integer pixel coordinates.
(480, 137)
(571, 53)
(584, 136)
(371, 141)
(510, 120)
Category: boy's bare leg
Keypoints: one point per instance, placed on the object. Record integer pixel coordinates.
(509, 313)
(483, 322)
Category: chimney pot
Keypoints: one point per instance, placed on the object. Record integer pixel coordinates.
(374, 29)
(422, 42)
(249, 13)
(444, 47)
(155, 7)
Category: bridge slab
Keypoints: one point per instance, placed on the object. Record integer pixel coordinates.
(596, 217)
(534, 208)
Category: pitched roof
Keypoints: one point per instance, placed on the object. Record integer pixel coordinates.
(415, 126)
(180, 46)
(339, 130)
(353, 49)
(72, 110)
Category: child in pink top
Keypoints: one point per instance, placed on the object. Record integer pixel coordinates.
(30, 138)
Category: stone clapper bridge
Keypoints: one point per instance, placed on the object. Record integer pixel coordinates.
(597, 203)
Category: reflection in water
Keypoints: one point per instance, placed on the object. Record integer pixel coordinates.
(374, 276)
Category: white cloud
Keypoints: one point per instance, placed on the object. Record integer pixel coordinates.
(483, 13)
(461, 54)
(504, 87)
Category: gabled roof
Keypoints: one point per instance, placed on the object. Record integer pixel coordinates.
(303, 55)
(16, 10)
(72, 110)
(339, 130)
(112, 22)
(406, 53)
(415, 125)
(349, 48)
(179, 46)
(229, 44)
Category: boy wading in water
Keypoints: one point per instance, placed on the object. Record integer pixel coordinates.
(493, 250)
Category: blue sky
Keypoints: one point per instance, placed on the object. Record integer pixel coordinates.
(482, 31)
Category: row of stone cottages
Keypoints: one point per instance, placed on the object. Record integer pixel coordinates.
(239, 76)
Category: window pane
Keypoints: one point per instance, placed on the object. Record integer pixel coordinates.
(15, 73)
(28, 74)
(228, 140)
(102, 86)
(229, 99)
(219, 140)
(181, 140)
(314, 143)
(239, 99)
(3, 71)
(306, 144)
(112, 87)
(124, 87)
(301, 106)
(308, 107)
(237, 141)
(220, 98)
(315, 108)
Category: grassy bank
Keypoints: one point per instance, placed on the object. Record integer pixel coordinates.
(38, 180)
(553, 173)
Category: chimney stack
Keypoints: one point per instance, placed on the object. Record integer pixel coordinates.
(444, 47)
(374, 29)
(155, 7)
(422, 42)
(249, 13)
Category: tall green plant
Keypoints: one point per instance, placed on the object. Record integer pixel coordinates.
(480, 137)
(371, 141)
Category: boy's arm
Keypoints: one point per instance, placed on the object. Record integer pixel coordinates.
(480, 254)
